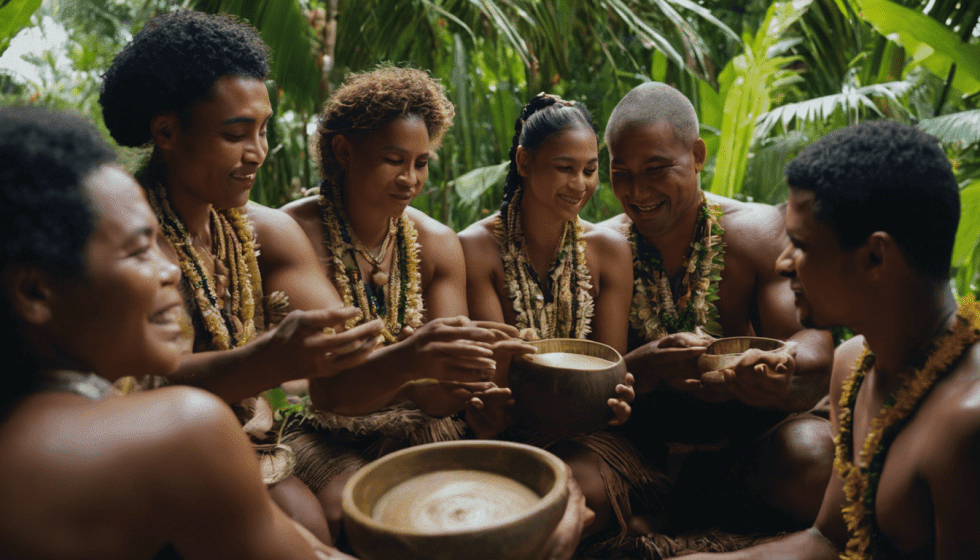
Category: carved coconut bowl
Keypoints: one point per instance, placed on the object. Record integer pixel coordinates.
(726, 352)
(566, 396)
(457, 525)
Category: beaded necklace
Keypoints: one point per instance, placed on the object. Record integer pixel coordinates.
(229, 322)
(401, 302)
(861, 481)
(566, 310)
(654, 312)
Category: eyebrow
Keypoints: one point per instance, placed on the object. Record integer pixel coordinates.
(236, 120)
(570, 158)
(394, 148)
(650, 159)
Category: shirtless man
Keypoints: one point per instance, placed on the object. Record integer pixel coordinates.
(872, 215)
(732, 445)
(88, 298)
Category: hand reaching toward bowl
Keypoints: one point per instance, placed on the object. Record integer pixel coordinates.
(621, 404)
(564, 540)
(758, 378)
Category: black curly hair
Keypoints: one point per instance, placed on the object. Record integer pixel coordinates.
(46, 216)
(369, 100)
(543, 117)
(884, 176)
(171, 65)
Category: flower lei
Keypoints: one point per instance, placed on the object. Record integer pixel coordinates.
(567, 310)
(861, 482)
(653, 312)
(229, 324)
(402, 302)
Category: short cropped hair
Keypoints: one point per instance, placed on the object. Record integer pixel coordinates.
(369, 100)
(45, 214)
(171, 65)
(884, 176)
(651, 103)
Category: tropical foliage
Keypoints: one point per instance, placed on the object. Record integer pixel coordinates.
(767, 77)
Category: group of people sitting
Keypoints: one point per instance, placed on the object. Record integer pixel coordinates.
(173, 288)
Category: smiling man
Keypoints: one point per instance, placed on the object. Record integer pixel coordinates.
(743, 458)
(872, 215)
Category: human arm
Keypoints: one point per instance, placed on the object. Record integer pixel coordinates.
(611, 260)
(672, 360)
(564, 539)
(482, 256)
(443, 268)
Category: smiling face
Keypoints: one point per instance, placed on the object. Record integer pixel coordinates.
(216, 154)
(655, 175)
(822, 275)
(385, 171)
(561, 174)
(122, 316)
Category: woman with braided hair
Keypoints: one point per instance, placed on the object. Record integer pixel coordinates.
(536, 265)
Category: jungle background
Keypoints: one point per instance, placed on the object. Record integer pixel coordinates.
(767, 78)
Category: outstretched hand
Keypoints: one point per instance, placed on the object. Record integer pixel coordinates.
(445, 398)
(307, 344)
(672, 359)
(490, 413)
(759, 379)
(450, 349)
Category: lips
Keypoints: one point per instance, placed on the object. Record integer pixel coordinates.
(573, 200)
(169, 314)
(650, 207)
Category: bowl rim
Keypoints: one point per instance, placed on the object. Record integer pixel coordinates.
(782, 343)
(523, 357)
(348, 508)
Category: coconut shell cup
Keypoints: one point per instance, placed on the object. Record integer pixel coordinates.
(726, 352)
(518, 536)
(565, 401)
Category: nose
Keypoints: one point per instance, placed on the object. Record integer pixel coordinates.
(785, 265)
(169, 271)
(409, 177)
(256, 149)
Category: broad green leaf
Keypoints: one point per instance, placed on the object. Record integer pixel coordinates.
(14, 16)
(470, 186)
(968, 232)
(924, 38)
(957, 128)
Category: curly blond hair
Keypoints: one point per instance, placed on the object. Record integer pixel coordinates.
(369, 100)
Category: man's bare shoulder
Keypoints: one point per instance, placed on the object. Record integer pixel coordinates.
(304, 210)
(606, 239)
(276, 232)
(619, 223)
(428, 228)
(748, 223)
(123, 461)
(845, 358)
(952, 410)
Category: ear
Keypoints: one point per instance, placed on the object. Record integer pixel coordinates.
(342, 150)
(31, 294)
(700, 152)
(880, 255)
(162, 129)
(523, 159)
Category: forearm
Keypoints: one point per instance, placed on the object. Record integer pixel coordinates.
(805, 545)
(811, 381)
(232, 375)
(365, 388)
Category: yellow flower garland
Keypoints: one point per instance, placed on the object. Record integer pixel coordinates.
(233, 324)
(569, 313)
(861, 482)
(402, 297)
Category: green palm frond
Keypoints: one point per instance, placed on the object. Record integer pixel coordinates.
(286, 29)
(14, 16)
(852, 102)
(962, 129)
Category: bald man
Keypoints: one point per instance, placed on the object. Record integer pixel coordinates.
(743, 454)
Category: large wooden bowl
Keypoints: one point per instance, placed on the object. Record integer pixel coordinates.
(518, 536)
(565, 401)
(726, 352)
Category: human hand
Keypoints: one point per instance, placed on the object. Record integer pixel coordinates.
(759, 378)
(308, 344)
(449, 349)
(507, 343)
(445, 398)
(621, 404)
(490, 413)
(672, 360)
(322, 551)
(564, 539)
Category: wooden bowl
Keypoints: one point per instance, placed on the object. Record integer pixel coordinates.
(568, 398)
(447, 519)
(726, 352)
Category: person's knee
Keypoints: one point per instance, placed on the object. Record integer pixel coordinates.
(800, 462)
(587, 472)
(330, 497)
(301, 505)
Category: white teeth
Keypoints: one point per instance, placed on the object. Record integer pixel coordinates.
(245, 177)
(569, 199)
(648, 208)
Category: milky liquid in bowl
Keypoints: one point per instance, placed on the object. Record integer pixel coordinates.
(453, 500)
(569, 360)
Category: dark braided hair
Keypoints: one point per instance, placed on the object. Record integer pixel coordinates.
(544, 116)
